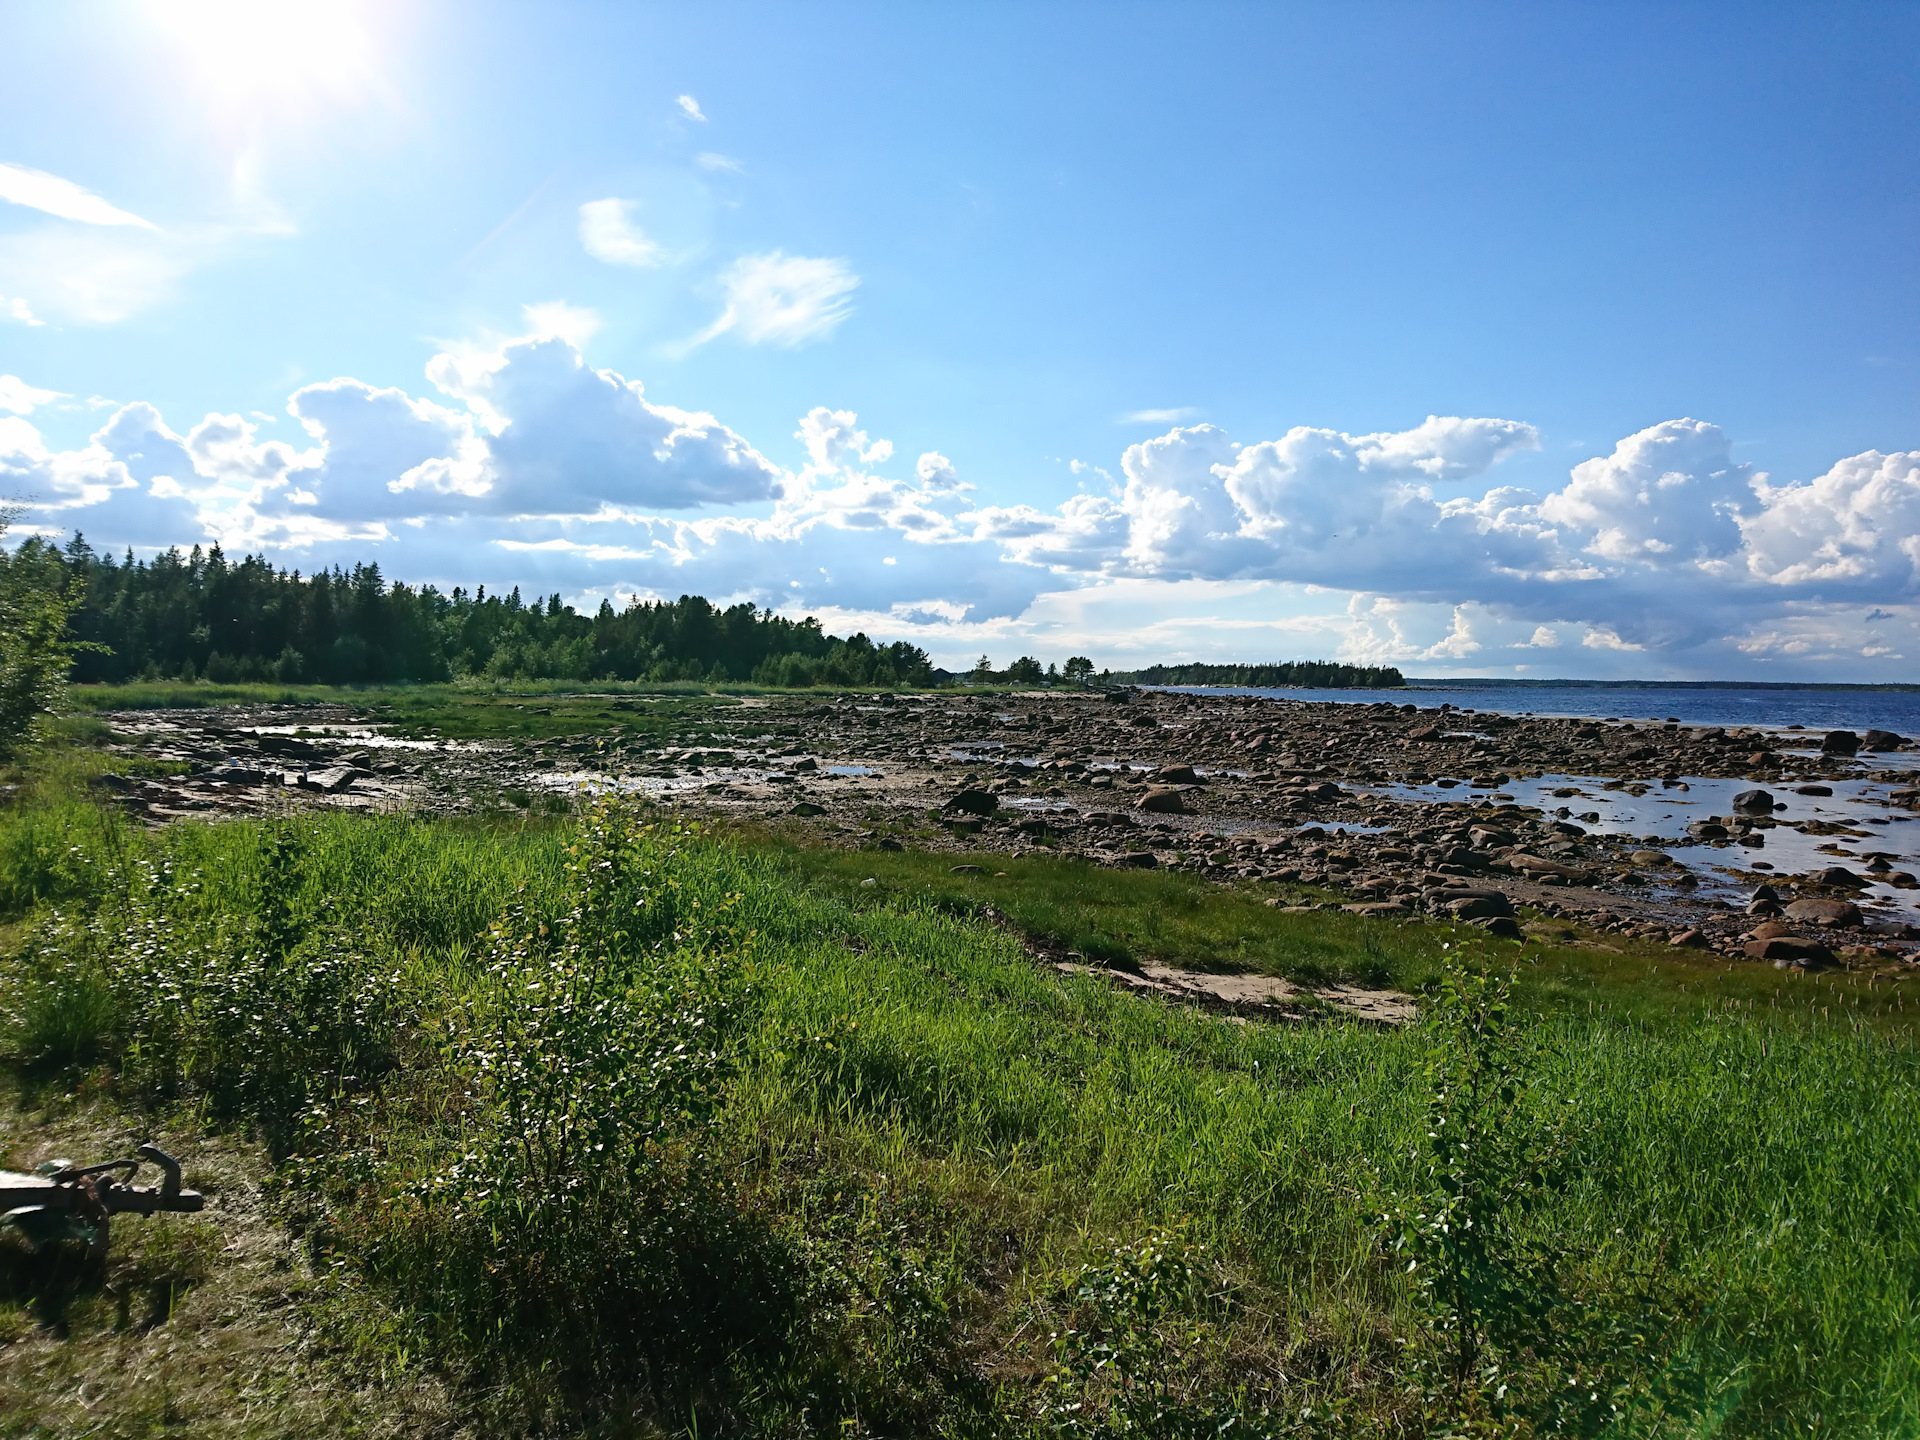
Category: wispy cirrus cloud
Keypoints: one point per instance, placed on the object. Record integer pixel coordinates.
(1171, 416)
(39, 190)
(608, 233)
(690, 107)
(785, 300)
(93, 263)
(713, 160)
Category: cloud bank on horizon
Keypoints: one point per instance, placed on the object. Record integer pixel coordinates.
(527, 465)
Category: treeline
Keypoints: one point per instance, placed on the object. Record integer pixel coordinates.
(1315, 674)
(200, 616)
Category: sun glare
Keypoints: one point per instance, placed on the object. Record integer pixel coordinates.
(285, 50)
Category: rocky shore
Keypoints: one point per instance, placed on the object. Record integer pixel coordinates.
(1391, 809)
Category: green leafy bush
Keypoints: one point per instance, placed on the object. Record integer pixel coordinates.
(37, 601)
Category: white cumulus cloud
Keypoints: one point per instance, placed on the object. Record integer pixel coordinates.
(690, 107)
(1671, 491)
(1857, 527)
(575, 324)
(21, 398)
(524, 464)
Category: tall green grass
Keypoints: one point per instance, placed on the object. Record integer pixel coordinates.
(620, 1126)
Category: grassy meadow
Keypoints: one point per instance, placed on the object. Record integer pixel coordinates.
(607, 1124)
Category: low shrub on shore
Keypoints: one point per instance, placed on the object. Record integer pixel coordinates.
(617, 1126)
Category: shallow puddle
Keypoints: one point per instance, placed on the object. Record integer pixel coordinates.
(1661, 816)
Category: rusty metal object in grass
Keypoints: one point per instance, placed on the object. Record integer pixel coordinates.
(63, 1201)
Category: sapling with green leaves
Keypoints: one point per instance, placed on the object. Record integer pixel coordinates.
(1493, 1146)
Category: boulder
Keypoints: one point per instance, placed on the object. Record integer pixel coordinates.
(1176, 775)
(1650, 857)
(1757, 802)
(1137, 860)
(1813, 790)
(973, 802)
(1784, 952)
(1815, 911)
(1425, 732)
(1539, 865)
(291, 748)
(331, 781)
(1707, 830)
(1881, 740)
(1479, 907)
(1688, 940)
(1503, 926)
(1839, 877)
(1162, 800)
(1840, 742)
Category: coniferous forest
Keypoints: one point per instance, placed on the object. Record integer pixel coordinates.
(201, 616)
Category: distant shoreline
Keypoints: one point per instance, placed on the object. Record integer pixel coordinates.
(1416, 683)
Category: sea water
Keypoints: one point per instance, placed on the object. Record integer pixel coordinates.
(1836, 708)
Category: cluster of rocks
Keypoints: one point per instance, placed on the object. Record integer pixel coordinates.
(231, 762)
(1233, 788)
(1282, 775)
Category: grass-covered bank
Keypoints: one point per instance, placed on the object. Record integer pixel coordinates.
(608, 1124)
(1128, 916)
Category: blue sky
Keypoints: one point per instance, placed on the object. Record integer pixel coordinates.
(1474, 339)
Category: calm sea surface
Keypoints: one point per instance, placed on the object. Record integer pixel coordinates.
(1896, 710)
